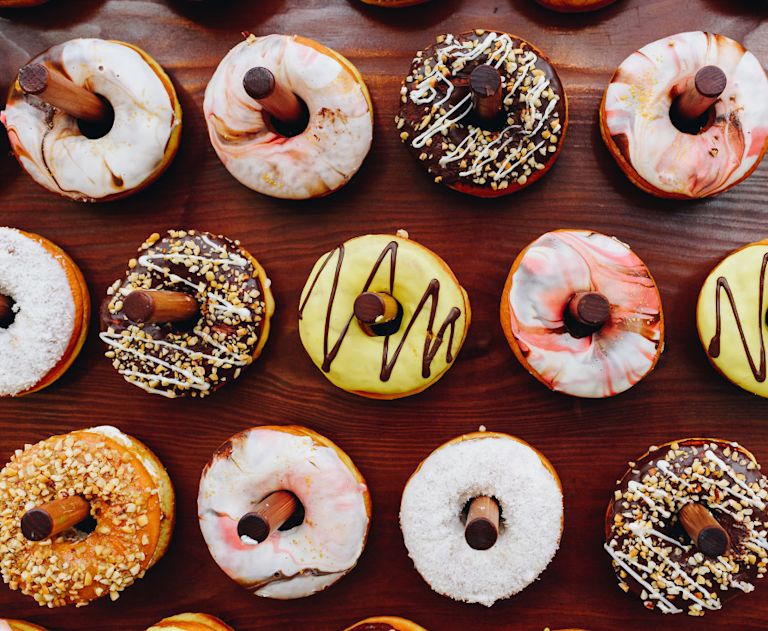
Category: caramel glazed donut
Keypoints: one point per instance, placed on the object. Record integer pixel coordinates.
(587, 359)
(190, 622)
(528, 492)
(321, 158)
(305, 555)
(235, 305)
(651, 552)
(658, 157)
(129, 495)
(44, 312)
(385, 623)
(397, 358)
(439, 122)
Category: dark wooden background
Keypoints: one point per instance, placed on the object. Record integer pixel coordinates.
(589, 442)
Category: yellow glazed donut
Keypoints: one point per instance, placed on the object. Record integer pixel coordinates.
(124, 489)
(385, 623)
(731, 317)
(400, 356)
(191, 622)
(18, 625)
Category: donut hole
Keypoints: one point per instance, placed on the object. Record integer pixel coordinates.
(288, 129)
(87, 526)
(100, 128)
(464, 514)
(7, 312)
(694, 126)
(296, 518)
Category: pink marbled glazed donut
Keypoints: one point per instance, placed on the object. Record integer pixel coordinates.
(544, 278)
(654, 154)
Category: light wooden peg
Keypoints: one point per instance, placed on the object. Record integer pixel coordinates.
(586, 313)
(269, 514)
(703, 529)
(482, 527)
(147, 305)
(259, 83)
(700, 92)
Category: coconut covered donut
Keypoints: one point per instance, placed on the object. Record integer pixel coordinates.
(44, 312)
(18, 625)
(731, 317)
(505, 472)
(641, 101)
(47, 490)
(686, 528)
(484, 112)
(284, 511)
(138, 147)
(385, 623)
(383, 316)
(330, 129)
(191, 622)
(583, 314)
(191, 313)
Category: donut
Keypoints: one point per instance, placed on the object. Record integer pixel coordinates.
(44, 312)
(685, 529)
(731, 317)
(484, 112)
(715, 152)
(508, 473)
(13, 4)
(191, 313)
(385, 623)
(18, 625)
(52, 490)
(191, 622)
(582, 313)
(301, 550)
(306, 134)
(57, 151)
(405, 348)
(574, 6)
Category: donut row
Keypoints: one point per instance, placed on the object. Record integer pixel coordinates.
(285, 513)
(484, 112)
(380, 315)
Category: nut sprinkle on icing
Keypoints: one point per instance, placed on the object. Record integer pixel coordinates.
(651, 552)
(436, 118)
(235, 305)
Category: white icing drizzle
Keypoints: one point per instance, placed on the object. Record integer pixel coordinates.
(753, 499)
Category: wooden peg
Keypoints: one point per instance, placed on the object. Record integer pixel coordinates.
(487, 97)
(703, 529)
(149, 305)
(378, 313)
(6, 311)
(51, 518)
(587, 312)
(699, 92)
(269, 514)
(56, 89)
(482, 527)
(259, 83)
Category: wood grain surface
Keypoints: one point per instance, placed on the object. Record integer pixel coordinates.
(588, 442)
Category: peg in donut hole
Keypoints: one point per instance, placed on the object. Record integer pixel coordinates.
(254, 495)
(91, 510)
(18, 625)
(686, 528)
(191, 313)
(520, 498)
(484, 112)
(93, 119)
(385, 623)
(191, 622)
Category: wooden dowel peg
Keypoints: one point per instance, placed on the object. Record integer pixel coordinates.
(259, 83)
(147, 305)
(482, 527)
(487, 97)
(6, 311)
(703, 529)
(587, 312)
(699, 92)
(54, 88)
(373, 307)
(51, 518)
(269, 514)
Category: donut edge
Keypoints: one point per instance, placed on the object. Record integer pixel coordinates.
(396, 622)
(202, 620)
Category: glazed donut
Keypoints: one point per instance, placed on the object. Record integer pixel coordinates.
(685, 529)
(505, 472)
(98, 472)
(385, 623)
(191, 313)
(583, 314)
(639, 105)
(400, 350)
(18, 625)
(574, 6)
(191, 622)
(44, 312)
(731, 317)
(301, 550)
(134, 151)
(306, 134)
(484, 112)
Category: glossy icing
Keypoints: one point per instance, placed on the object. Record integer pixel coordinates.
(317, 161)
(636, 107)
(545, 276)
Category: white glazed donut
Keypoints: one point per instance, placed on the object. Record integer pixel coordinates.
(528, 491)
(309, 557)
(319, 160)
(655, 155)
(141, 143)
